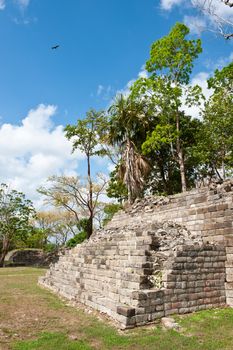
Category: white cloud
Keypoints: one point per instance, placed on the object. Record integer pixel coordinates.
(143, 73)
(104, 92)
(218, 16)
(126, 90)
(210, 13)
(100, 89)
(2, 4)
(168, 4)
(33, 151)
(23, 3)
(220, 63)
(24, 21)
(201, 80)
(217, 6)
(196, 24)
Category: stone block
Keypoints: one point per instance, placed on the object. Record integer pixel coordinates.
(229, 250)
(126, 311)
(141, 318)
(229, 293)
(139, 310)
(229, 301)
(229, 274)
(171, 312)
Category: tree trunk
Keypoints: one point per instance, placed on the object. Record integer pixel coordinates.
(130, 180)
(90, 201)
(162, 174)
(5, 248)
(90, 226)
(180, 155)
(223, 170)
(182, 171)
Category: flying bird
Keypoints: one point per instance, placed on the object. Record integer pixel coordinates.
(55, 47)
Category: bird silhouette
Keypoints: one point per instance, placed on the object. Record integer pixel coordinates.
(55, 47)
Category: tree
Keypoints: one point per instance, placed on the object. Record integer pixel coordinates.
(116, 188)
(79, 237)
(222, 81)
(15, 215)
(73, 194)
(85, 136)
(170, 66)
(215, 147)
(56, 226)
(127, 128)
(165, 176)
(37, 239)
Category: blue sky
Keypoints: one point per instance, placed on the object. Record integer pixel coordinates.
(103, 46)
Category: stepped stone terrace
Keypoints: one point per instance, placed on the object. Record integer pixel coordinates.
(159, 257)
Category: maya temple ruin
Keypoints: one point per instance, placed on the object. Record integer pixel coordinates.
(158, 257)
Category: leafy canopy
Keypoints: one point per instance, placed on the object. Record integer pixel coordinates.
(15, 213)
(173, 55)
(85, 135)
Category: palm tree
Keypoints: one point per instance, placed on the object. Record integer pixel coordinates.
(128, 125)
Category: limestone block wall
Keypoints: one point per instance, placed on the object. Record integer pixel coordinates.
(139, 273)
(229, 270)
(206, 211)
(195, 281)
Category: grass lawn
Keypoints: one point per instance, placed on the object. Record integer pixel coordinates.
(34, 319)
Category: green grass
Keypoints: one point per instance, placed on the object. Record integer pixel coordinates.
(32, 318)
(12, 271)
(51, 341)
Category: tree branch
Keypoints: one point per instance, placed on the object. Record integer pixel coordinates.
(224, 25)
(228, 3)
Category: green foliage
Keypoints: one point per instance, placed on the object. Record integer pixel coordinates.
(127, 120)
(173, 55)
(50, 247)
(165, 175)
(116, 188)
(15, 214)
(214, 149)
(170, 66)
(151, 121)
(222, 79)
(77, 239)
(215, 146)
(85, 135)
(82, 226)
(162, 134)
(109, 211)
(35, 239)
(127, 130)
